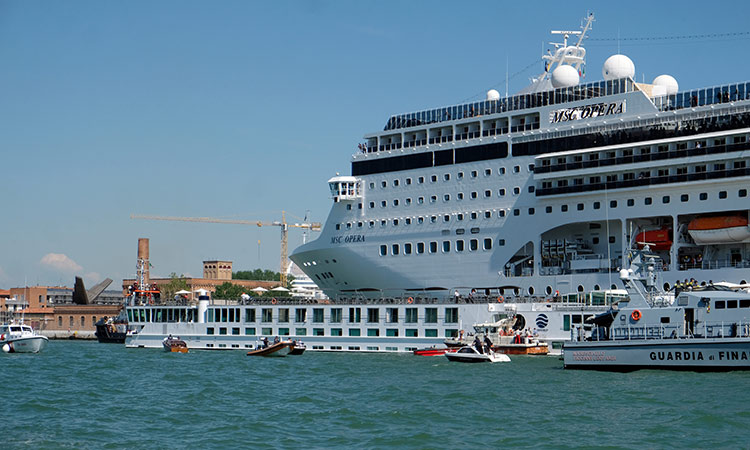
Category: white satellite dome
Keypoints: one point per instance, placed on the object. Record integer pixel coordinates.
(564, 76)
(618, 66)
(669, 83)
(493, 95)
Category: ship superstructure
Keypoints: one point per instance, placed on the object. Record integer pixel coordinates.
(545, 191)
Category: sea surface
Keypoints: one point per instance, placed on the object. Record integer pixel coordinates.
(89, 395)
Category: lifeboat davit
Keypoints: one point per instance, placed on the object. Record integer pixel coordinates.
(719, 229)
(656, 239)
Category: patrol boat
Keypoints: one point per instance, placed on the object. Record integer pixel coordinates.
(703, 329)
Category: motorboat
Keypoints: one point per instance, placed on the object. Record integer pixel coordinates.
(279, 348)
(111, 330)
(20, 338)
(298, 348)
(470, 354)
(174, 344)
(434, 351)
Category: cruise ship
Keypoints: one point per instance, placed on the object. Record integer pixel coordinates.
(545, 191)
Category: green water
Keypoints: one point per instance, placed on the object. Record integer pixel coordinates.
(90, 395)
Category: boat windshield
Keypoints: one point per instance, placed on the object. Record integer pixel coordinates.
(15, 328)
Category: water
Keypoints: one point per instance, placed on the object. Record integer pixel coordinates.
(90, 395)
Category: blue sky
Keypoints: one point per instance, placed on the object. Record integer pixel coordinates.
(240, 109)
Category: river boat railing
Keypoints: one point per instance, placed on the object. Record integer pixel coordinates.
(705, 329)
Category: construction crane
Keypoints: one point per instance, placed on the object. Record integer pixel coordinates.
(313, 226)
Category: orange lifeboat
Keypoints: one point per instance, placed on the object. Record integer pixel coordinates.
(719, 229)
(656, 239)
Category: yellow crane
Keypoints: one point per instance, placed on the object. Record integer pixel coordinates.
(313, 226)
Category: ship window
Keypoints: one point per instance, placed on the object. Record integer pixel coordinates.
(501, 171)
(446, 197)
(395, 222)
(580, 207)
(474, 194)
(745, 303)
(447, 177)
(408, 220)
(516, 190)
(631, 202)
(647, 201)
(451, 315)
(338, 226)
(564, 208)
(665, 199)
(531, 211)
(487, 172)
(408, 181)
(460, 196)
(597, 205)
(408, 200)
(488, 193)
(516, 212)
(532, 189)
(446, 246)
(430, 315)
(420, 248)
(407, 248)
(613, 204)
(459, 216)
(348, 207)
(372, 205)
(420, 200)
(433, 178)
(420, 180)
(548, 209)
(372, 185)
(501, 213)
(516, 169)
(473, 245)
(501, 192)
(684, 197)
(474, 174)
(383, 184)
(249, 331)
(420, 220)
(395, 183)
(487, 243)
(433, 219)
(722, 194)
(433, 199)
(348, 225)
(473, 215)
(383, 222)
(394, 249)
(501, 242)
(595, 240)
(383, 250)
(447, 218)
(720, 304)
(612, 241)
(459, 245)
(731, 303)
(742, 193)
(383, 204)
(395, 202)
(433, 247)
(460, 175)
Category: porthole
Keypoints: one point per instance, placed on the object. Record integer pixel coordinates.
(596, 287)
(580, 288)
(531, 290)
(548, 290)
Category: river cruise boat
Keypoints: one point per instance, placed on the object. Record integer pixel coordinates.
(703, 329)
(20, 338)
(546, 190)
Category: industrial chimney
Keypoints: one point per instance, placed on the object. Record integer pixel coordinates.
(143, 259)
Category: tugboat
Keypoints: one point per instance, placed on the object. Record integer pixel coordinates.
(702, 329)
(20, 338)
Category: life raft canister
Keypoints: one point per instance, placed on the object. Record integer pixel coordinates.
(636, 315)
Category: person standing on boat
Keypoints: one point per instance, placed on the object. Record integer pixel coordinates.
(488, 343)
(478, 344)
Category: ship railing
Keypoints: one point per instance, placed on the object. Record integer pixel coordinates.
(703, 330)
(713, 95)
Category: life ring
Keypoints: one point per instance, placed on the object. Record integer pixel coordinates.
(636, 315)
(500, 299)
(410, 300)
(274, 301)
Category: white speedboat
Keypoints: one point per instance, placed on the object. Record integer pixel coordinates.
(19, 338)
(469, 354)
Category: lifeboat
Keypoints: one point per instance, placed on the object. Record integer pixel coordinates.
(656, 239)
(719, 229)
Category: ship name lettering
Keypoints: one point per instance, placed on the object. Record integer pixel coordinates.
(678, 356)
(733, 356)
(587, 111)
(348, 239)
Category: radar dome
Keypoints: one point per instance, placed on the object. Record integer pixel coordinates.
(618, 66)
(668, 82)
(564, 76)
(493, 95)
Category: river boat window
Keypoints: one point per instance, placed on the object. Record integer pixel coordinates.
(433, 199)
(531, 211)
(410, 315)
(267, 315)
(383, 204)
(430, 332)
(613, 203)
(720, 304)
(235, 331)
(337, 332)
(318, 315)
(564, 208)
(665, 199)
(488, 214)
(209, 330)
(516, 190)
(338, 226)
(647, 201)
(684, 197)
(407, 248)
(318, 332)
(266, 331)
(408, 181)
(411, 332)
(392, 332)
(373, 332)
(391, 315)
(473, 245)
(451, 333)
(284, 315)
(430, 315)
(447, 177)
(355, 332)
(460, 175)
(420, 180)
(474, 174)
(250, 331)
(501, 213)
(395, 202)
(548, 209)
(597, 205)
(473, 215)
(722, 194)
(355, 315)
(487, 193)
(300, 315)
(451, 315)
(372, 185)
(631, 202)
(395, 183)
(373, 315)
(745, 303)
(732, 304)
(301, 331)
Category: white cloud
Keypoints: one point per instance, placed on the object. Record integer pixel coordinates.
(60, 262)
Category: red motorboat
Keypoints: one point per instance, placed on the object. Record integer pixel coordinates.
(434, 351)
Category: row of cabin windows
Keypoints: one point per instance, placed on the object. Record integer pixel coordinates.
(353, 332)
(639, 151)
(446, 177)
(629, 176)
(435, 247)
(731, 304)
(447, 197)
(336, 315)
(666, 199)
